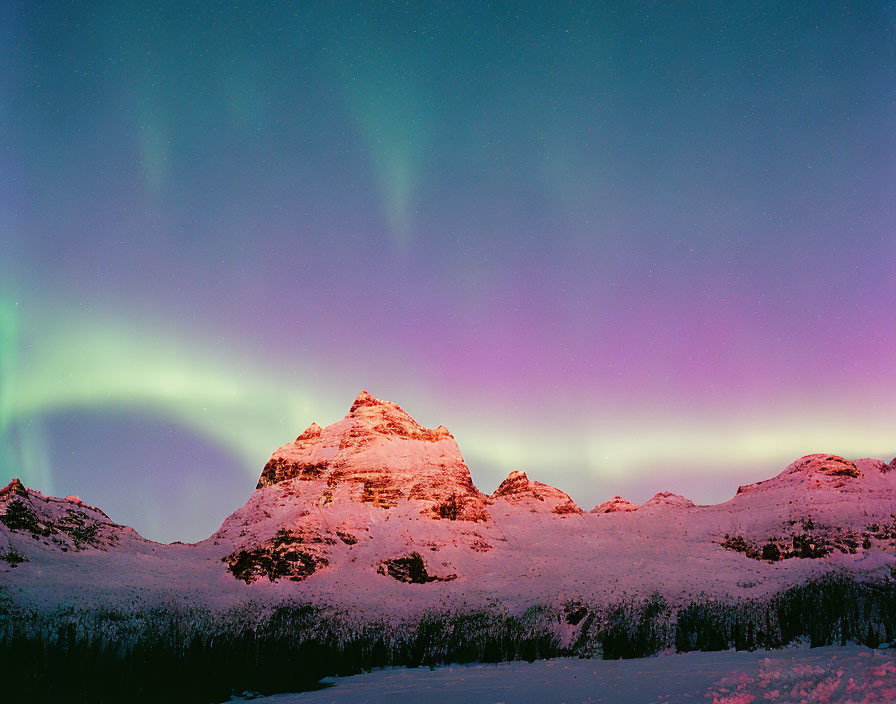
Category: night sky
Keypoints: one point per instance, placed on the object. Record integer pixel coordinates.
(625, 247)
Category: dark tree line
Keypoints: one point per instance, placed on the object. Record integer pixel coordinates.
(194, 655)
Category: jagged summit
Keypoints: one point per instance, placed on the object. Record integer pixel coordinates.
(312, 431)
(367, 406)
(388, 418)
(378, 454)
(517, 488)
(365, 399)
(515, 483)
(14, 488)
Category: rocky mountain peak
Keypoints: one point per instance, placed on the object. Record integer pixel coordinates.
(378, 454)
(368, 408)
(815, 471)
(370, 414)
(14, 488)
(667, 498)
(517, 488)
(516, 483)
(615, 505)
(364, 398)
(66, 524)
(312, 431)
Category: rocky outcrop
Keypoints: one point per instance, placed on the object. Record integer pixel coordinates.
(667, 499)
(517, 489)
(13, 557)
(14, 488)
(825, 465)
(806, 540)
(379, 455)
(288, 555)
(411, 570)
(615, 505)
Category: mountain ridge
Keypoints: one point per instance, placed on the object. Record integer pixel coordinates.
(374, 505)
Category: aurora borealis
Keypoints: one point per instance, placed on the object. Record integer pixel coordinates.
(626, 249)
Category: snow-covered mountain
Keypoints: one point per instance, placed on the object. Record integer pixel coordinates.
(61, 525)
(379, 512)
(524, 494)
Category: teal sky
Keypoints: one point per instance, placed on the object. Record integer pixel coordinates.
(626, 248)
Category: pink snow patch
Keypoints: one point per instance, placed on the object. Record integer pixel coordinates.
(732, 690)
(739, 698)
(820, 691)
(887, 668)
(852, 680)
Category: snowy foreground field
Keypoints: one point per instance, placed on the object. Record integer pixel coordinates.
(851, 674)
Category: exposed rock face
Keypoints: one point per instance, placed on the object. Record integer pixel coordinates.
(808, 538)
(514, 487)
(411, 570)
(379, 455)
(826, 465)
(615, 505)
(518, 489)
(285, 556)
(312, 431)
(804, 540)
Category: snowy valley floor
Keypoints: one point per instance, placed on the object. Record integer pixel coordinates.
(850, 674)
